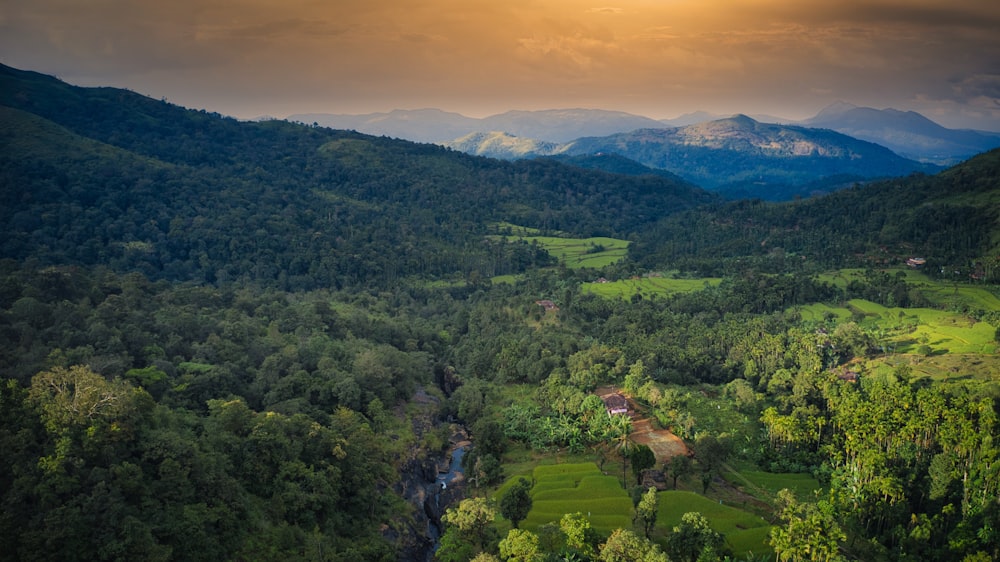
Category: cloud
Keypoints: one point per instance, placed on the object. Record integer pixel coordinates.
(605, 10)
(373, 55)
(979, 87)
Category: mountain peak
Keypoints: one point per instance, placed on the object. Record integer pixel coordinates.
(834, 109)
(742, 119)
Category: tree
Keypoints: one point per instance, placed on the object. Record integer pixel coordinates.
(78, 397)
(625, 546)
(647, 510)
(693, 539)
(520, 546)
(810, 531)
(680, 467)
(515, 503)
(641, 457)
(621, 432)
(580, 537)
(711, 453)
(472, 518)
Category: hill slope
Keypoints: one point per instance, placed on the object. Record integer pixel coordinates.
(737, 156)
(105, 176)
(951, 219)
(433, 125)
(907, 133)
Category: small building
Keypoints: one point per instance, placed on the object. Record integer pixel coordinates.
(547, 305)
(615, 404)
(848, 376)
(916, 262)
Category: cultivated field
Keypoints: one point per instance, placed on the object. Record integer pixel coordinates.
(574, 253)
(647, 287)
(582, 487)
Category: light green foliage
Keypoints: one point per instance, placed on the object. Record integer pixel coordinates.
(580, 537)
(520, 546)
(79, 397)
(810, 531)
(648, 287)
(647, 510)
(595, 365)
(744, 531)
(580, 252)
(694, 539)
(625, 546)
(803, 485)
(472, 518)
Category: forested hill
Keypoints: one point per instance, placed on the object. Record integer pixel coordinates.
(107, 176)
(950, 218)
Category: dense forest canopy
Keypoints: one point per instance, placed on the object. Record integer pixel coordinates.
(225, 340)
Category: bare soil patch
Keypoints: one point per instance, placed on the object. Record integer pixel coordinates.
(664, 444)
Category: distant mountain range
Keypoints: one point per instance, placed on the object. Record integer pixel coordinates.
(433, 125)
(738, 156)
(907, 133)
(527, 134)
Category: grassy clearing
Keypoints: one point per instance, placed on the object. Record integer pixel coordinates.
(744, 531)
(647, 286)
(964, 369)
(924, 331)
(818, 312)
(580, 487)
(577, 253)
(803, 485)
(933, 331)
(941, 293)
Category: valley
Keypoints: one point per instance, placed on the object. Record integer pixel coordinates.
(227, 340)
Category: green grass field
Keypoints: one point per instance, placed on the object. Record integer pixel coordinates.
(940, 331)
(744, 531)
(577, 253)
(581, 487)
(940, 293)
(802, 485)
(578, 487)
(647, 286)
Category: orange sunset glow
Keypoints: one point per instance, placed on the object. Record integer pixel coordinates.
(658, 58)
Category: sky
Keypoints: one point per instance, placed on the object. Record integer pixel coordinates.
(657, 58)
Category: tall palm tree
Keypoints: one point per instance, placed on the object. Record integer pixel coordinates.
(621, 432)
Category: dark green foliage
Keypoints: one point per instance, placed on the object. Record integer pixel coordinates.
(641, 458)
(210, 332)
(103, 176)
(947, 218)
(515, 502)
(679, 467)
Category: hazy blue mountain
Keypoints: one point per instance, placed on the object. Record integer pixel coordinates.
(907, 133)
(562, 125)
(498, 144)
(434, 125)
(615, 164)
(419, 125)
(692, 118)
(738, 156)
(697, 117)
(742, 155)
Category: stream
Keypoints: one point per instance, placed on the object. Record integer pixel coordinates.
(445, 490)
